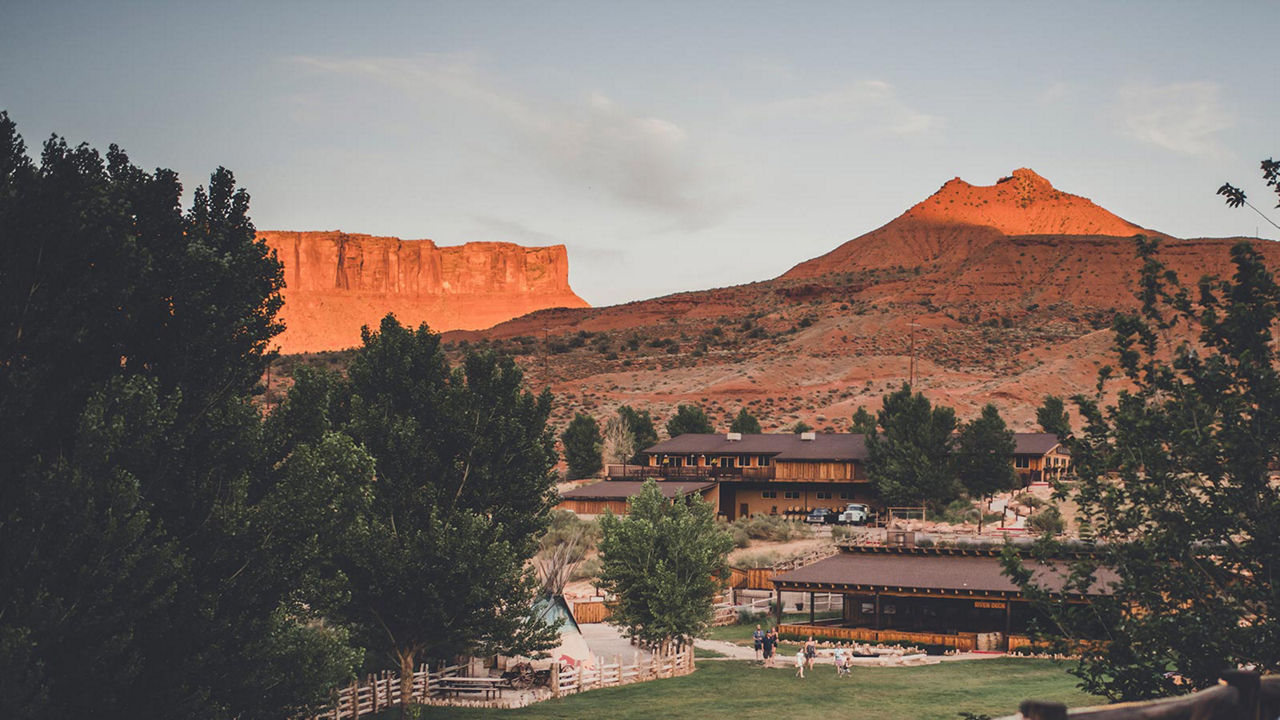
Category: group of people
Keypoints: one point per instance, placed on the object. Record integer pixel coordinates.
(766, 645)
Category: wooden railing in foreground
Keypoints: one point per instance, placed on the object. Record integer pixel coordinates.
(1245, 696)
(581, 679)
(382, 691)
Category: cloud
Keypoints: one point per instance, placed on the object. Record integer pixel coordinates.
(870, 105)
(639, 159)
(1182, 117)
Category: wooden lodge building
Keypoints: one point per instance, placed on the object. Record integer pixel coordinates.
(953, 597)
(782, 473)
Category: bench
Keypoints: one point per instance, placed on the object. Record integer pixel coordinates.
(487, 686)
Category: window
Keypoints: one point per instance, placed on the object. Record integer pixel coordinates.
(744, 460)
(791, 494)
(677, 462)
(824, 494)
(763, 461)
(693, 461)
(1021, 461)
(846, 495)
(727, 461)
(769, 494)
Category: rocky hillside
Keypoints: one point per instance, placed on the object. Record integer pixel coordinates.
(336, 282)
(998, 293)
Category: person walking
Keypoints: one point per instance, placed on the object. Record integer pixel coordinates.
(757, 640)
(810, 651)
(800, 663)
(767, 645)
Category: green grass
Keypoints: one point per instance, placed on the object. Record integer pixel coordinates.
(741, 690)
(707, 653)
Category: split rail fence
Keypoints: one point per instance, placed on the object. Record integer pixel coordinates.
(1244, 696)
(382, 691)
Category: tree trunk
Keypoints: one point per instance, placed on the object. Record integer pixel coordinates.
(406, 681)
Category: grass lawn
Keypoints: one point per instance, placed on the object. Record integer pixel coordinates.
(741, 690)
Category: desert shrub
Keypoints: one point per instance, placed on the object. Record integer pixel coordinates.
(587, 569)
(1047, 521)
(772, 528)
(1029, 500)
(960, 510)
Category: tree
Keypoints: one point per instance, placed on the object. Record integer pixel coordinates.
(664, 560)
(688, 419)
(641, 426)
(801, 427)
(1052, 417)
(619, 443)
(910, 459)
(863, 422)
(133, 335)
(745, 423)
(984, 449)
(1175, 479)
(438, 564)
(582, 443)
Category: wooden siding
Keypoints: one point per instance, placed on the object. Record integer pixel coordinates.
(818, 471)
(593, 507)
(592, 611)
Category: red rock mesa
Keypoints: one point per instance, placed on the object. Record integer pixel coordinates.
(335, 282)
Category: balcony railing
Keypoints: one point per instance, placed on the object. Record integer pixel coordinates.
(684, 472)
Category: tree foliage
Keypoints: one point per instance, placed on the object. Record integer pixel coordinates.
(909, 456)
(863, 421)
(665, 560)
(688, 419)
(745, 423)
(642, 429)
(582, 446)
(982, 452)
(1052, 417)
(618, 442)
(157, 558)
(1176, 480)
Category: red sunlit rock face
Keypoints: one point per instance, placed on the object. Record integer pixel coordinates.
(336, 282)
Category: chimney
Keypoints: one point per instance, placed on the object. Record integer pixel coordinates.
(808, 436)
(733, 437)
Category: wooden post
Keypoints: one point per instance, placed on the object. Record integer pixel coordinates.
(555, 680)
(355, 699)
(617, 660)
(1008, 622)
(877, 613)
(811, 610)
(1247, 685)
(777, 606)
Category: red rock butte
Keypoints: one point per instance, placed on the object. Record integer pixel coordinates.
(337, 282)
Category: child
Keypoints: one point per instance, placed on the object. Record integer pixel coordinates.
(800, 663)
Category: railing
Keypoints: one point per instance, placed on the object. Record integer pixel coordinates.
(572, 680)
(1246, 695)
(686, 472)
(959, 641)
(382, 691)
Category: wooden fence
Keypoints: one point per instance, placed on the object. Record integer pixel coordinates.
(591, 611)
(959, 641)
(1245, 696)
(581, 679)
(382, 691)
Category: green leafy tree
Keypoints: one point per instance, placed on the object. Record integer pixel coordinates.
(909, 458)
(1176, 481)
(582, 445)
(688, 419)
(745, 423)
(438, 564)
(664, 560)
(1052, 417)
(801, 427)
(642, 429)
(983, 453)
(863, 421)
(133, 335)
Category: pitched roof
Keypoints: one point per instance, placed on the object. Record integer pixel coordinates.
(782, 446)
(623, 489)
(1034, 443)
(824, 446)
(937, 572)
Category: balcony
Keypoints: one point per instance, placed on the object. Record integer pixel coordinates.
(672, 472)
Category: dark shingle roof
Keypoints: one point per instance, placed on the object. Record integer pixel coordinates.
(1033, 443)
(945, 573)
(623, 489)
(824, 446)
(783, 446)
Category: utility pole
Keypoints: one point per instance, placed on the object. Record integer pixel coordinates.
(912, 370)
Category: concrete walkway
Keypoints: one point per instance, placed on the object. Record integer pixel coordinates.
(606, 641)
(728, 649)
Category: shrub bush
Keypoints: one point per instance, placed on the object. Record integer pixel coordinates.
(1048, 521)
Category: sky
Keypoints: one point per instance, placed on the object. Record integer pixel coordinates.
(669, 145)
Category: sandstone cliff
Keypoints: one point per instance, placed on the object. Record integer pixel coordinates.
(336, 282)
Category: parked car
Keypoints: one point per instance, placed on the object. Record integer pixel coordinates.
(821, 516)
(854, 514)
